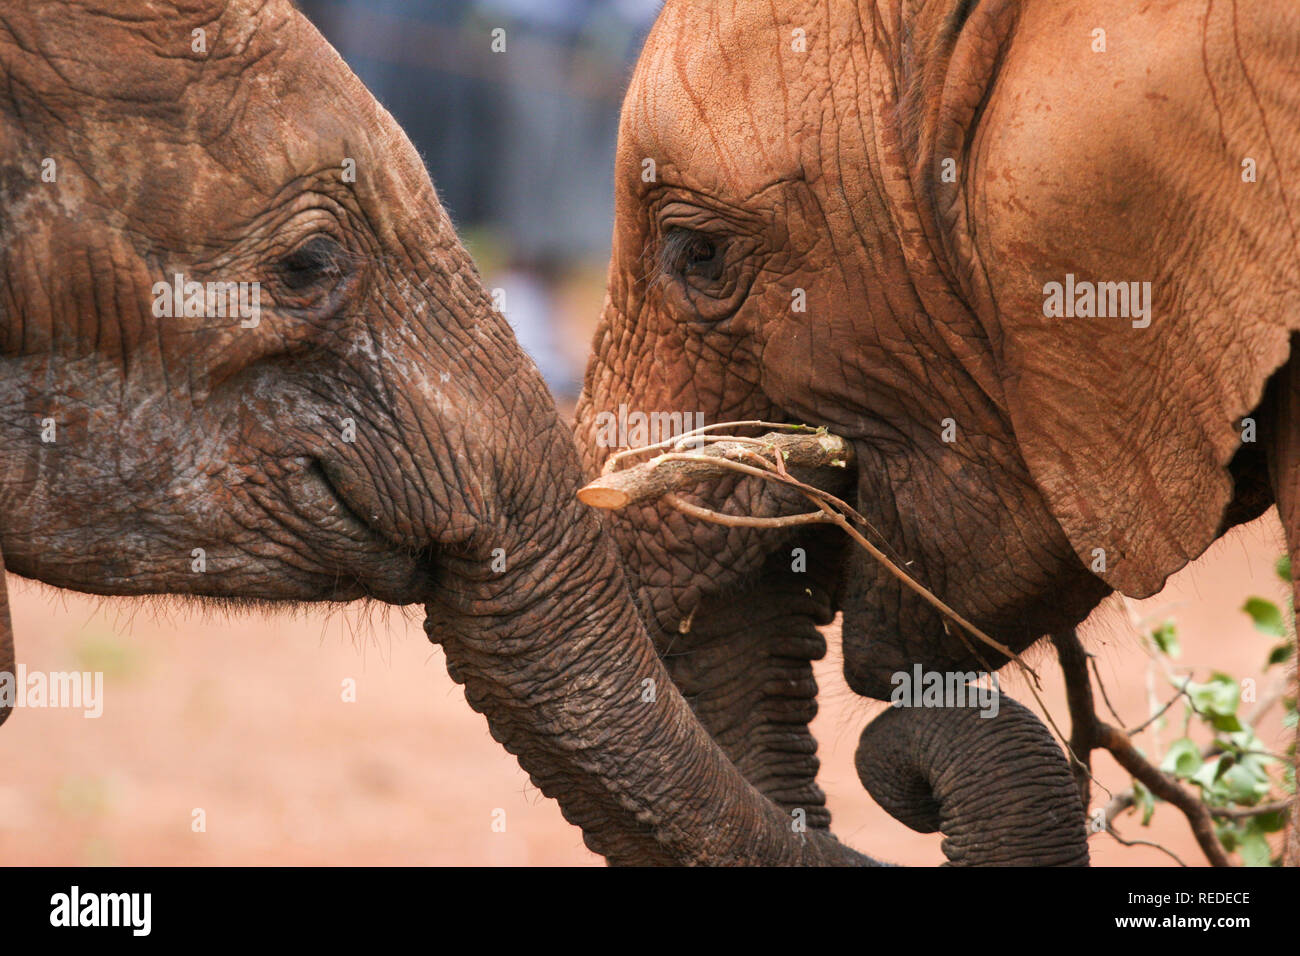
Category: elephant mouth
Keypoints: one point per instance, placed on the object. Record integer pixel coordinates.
(373, 563)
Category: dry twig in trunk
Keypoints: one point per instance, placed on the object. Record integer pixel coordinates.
(675, 470)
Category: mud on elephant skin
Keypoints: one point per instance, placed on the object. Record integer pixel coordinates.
(852, 214)
(369, 428)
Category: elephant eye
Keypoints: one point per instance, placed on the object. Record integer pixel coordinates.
(692, 255)
(317, 262)
(702, 262)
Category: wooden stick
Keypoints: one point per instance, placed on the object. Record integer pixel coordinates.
(661, 476)
(674, 471)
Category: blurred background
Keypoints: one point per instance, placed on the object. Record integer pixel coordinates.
(334, 735)
(520, 143)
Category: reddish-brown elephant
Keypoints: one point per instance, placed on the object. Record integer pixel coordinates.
(1037, 261)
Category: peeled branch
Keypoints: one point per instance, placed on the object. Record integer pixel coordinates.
(678, 470)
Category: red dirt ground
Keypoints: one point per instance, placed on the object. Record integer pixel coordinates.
(244, 719)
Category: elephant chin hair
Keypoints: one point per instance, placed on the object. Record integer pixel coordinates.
(998, 788)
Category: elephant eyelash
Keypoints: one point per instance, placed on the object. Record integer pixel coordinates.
(689, 254)
(318, 260)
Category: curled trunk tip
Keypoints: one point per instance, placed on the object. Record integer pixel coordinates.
(998, 787)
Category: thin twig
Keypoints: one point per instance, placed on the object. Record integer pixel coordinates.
(1163, 849)
(1101, 686)
(744, 521)
(1182, 692)
(922, 591)
(1164, 787)
(1240, 813)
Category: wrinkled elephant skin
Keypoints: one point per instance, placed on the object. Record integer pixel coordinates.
(866, 215)
(359, 423)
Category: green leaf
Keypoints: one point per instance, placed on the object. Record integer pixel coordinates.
(1280, 654)
(1244, 784)
(1254, 849)
(1165, 638)
(1208, 773)
(1183, 758)
(1217, 696)
(1283, 568)
(1271, 822)
(1144, 800)
(1228, 723)
(1266, 615)
(1227, 833)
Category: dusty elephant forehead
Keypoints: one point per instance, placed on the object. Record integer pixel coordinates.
(106, 56)
(723, 91)
(210, 133)
(192, 73)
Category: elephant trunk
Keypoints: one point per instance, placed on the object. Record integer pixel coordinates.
(571, 684)
(533, 610)
(998, 787)
(744, 662)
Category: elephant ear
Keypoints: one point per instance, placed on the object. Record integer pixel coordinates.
(1128, 433)
(1128, 417)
